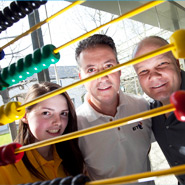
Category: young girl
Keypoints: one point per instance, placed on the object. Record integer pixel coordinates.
(52, 117)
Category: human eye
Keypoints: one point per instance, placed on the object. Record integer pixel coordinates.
(142, 72)
(108, 66)
(163, 64)
(65, 113)
(91, 70)
(45, 113)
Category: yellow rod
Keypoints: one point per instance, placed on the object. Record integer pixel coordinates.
(118, 67)
(140, 177)
(117, 123)
(37, 26)
(124, 16)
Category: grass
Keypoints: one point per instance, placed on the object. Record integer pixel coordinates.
(5, 139)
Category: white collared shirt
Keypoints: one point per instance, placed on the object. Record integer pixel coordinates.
(119, 151)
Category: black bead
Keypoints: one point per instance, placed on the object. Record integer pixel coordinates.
(4, 21)
(9, 15)
(2, 27)
(42, 2)
(45, 182)
(66, 181)
(55, 181)
(16, 10)
(34, 4)
(80, 179)
(25, 7)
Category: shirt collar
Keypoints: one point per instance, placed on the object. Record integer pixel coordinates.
(93, 115)
(37, 160)
(183, 80)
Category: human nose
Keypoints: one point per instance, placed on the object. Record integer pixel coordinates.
(56, 120)
(154, 74)
(103, 78)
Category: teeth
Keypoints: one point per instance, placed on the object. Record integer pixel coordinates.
(53, 131)
(104, 85)
(103, 88)
(158, 86)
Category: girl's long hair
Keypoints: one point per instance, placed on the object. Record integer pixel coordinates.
(69, 151)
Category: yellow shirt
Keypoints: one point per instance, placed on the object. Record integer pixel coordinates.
(18, 173)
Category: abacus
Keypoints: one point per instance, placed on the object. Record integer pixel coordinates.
(42, 58)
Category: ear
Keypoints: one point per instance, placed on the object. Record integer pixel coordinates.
(178, 63)
(24, 118)
(120, 73)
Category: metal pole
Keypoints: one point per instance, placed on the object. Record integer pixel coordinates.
(37, 41)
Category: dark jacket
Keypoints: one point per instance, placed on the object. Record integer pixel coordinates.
(170, 135)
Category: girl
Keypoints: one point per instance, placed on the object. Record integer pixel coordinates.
(49, 118)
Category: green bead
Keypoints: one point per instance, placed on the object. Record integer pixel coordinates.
(1, 89)
(20, 68)
(28, 65)
(48, 56)
(7, 76)
(3, 77)
(13, 74)
(37, 60)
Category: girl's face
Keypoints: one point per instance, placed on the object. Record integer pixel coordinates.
(48, 118)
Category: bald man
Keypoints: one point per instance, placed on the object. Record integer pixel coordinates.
(159, 77)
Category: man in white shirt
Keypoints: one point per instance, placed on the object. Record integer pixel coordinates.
(120, 151)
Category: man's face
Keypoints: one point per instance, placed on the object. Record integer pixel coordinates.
(159, 76)
(94, 60)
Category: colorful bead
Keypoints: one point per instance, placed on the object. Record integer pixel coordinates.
(12, 112)
(177, 38)
(178, 100)
(3, 118)
(9, 112)
(7, 154)
(16, 11)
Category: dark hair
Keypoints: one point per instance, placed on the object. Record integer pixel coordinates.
(69, 151)
(92, 41)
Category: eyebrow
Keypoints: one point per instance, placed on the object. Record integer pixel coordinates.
(111, 60)
(53, 109)
(159, 57)
(108, 61)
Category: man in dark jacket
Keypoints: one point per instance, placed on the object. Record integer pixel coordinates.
(159, 77)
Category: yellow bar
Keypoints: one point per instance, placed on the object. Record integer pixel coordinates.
(37, 26)
(118, 67)
(177, 170)
(124, 121)
(124, 16)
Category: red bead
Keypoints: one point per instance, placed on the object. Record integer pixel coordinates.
(2, 163)
(8, 153)
(178, 100)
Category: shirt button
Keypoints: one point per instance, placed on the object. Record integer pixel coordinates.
(167, 127)
(118, 128)
(170, 146)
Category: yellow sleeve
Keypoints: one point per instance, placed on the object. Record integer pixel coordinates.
(4, 175)
(14, 174)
